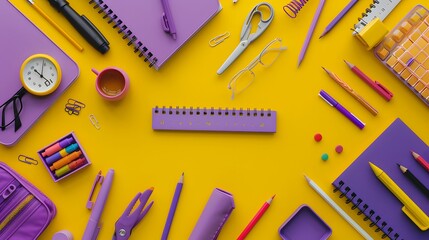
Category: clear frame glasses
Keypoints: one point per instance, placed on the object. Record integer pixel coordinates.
(244, 78)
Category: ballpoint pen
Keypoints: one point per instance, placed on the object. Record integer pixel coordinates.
(410, 208)
(82, 25)
(337, 208)
(167, 19)
(331, 101)
(173, 207)
(380, 89)
(338, 17)
(420, 160)
(351, 92)
(92, 229)
(256, 218)
(310, 31)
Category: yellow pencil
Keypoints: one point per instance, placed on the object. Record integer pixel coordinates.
(56, 26)
(410, 208)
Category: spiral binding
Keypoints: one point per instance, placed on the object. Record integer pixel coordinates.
(139, 48)
(212, 111)
(365, 13)
(366, 210)
(294, 7)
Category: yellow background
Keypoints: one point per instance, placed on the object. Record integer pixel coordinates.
(252, 167)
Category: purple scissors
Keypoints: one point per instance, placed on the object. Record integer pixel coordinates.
(127, 221)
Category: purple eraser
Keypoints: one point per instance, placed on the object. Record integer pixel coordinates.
(304, 223)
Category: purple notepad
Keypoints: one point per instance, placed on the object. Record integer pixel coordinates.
(21, 39)
(140, 23)
(372, 197)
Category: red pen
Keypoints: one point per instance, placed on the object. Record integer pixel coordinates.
(420, 160)
(380, 89)
(256, 218)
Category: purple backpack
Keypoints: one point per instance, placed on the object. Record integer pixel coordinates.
(24, 211)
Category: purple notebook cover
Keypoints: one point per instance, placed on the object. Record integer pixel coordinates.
(216, 120)
(143, 18)
(19, 40)
(391, 147)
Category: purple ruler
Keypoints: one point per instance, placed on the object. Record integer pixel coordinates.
(211, 119)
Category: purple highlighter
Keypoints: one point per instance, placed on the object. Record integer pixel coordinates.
(331, 101)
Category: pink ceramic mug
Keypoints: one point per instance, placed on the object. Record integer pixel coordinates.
(112, 83)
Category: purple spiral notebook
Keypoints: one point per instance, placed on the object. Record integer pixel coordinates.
(364, 191)
(21, 39)
(140, 23)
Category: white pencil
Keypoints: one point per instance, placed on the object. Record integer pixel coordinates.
(337, 208)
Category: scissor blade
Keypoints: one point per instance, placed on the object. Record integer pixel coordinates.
(234, 55)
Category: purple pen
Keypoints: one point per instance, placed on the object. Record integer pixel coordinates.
(92, 228)
(310, 31)
(331, 101)
(173, 207)
(167, 19)
(338, 17)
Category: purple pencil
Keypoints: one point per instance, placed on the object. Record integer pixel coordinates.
(338, 17)
(310, 31)
(173, 207)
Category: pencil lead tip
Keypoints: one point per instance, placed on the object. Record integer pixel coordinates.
(273, 196)
(306, 178)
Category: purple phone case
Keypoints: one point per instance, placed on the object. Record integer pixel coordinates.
(304, 223)
(216, 212)
(31, 220)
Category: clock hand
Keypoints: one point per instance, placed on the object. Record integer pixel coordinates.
(38, 73)
(43, 63)
(42, 76)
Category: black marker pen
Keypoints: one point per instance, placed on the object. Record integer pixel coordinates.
(82, 25)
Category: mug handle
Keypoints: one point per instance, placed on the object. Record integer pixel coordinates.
(95, 71)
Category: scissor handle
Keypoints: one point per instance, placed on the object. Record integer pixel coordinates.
(262, 25)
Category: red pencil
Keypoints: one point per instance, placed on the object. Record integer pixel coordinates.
(420, 160)
(256, 218)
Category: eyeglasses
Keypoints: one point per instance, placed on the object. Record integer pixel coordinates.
(244, 78)
(8, 119)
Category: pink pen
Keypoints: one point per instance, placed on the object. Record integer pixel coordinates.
(380, 89)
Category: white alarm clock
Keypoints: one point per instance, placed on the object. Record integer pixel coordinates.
(40, 74)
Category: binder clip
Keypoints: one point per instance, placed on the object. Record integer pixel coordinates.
(73, 107)
(98, 180)
(27, 160)
(218, 39)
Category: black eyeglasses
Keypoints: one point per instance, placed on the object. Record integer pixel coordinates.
(8, 119)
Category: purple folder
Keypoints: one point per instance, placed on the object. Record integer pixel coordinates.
(21, 39)
(366, 193)
(140, 23)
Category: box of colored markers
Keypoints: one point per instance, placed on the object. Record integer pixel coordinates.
(64, 157)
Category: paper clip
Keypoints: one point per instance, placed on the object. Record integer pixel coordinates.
(74, 106)
(98, 180)
(27, 160)
(94, 121)
(218, 39)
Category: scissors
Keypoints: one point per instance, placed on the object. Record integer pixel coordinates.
(246, 37)
(127, 221)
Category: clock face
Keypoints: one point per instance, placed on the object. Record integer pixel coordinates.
(40, 74)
